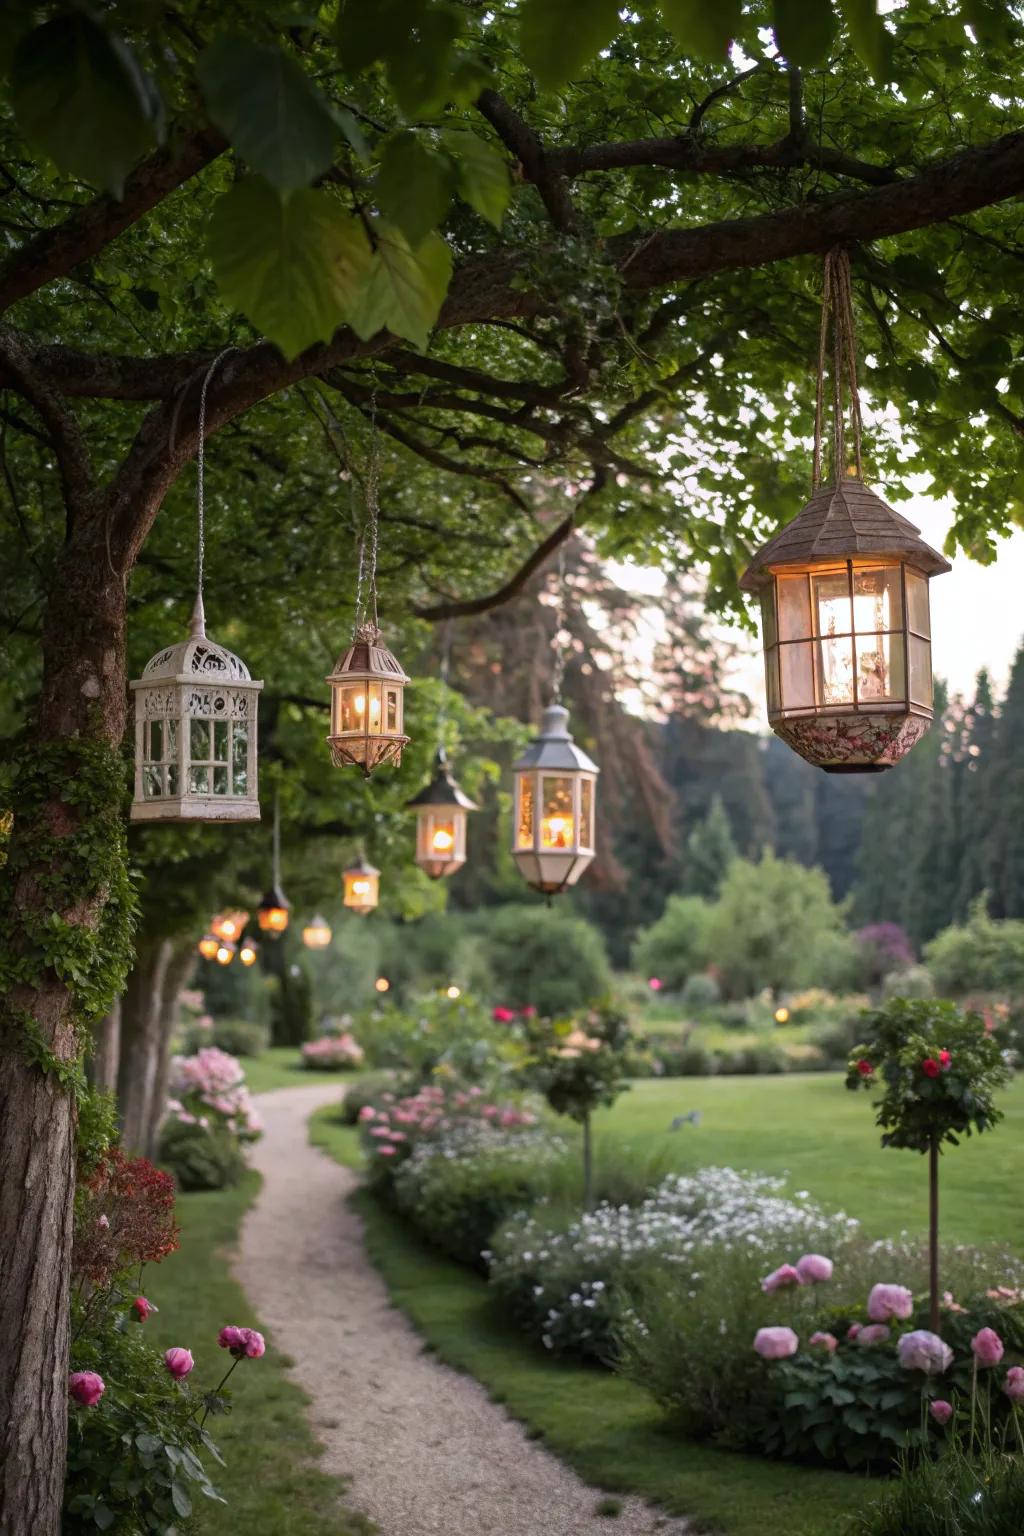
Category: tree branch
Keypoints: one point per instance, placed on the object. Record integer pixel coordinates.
(518, 137)
(62, 429)
(457, 609)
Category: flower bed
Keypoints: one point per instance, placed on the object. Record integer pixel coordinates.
(333, 1053)
(210, 1114)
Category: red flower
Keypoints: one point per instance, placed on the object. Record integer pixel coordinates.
(944, 1060)
(503, 1015)
(138, 1203)
(930, 1067)
(864, 1067)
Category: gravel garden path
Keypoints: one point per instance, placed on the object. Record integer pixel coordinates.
(427, 1451)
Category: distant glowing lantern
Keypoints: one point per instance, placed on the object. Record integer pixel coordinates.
(317, 934)
(441, 809)
(225, 952)
(846, 630)
(228, 925)
(208, 945)
(248, 952)
(273, 912)
(366, 704)
(361, 885)
(782, 1015)
(382, 984)
(453, 993)
(555, 787)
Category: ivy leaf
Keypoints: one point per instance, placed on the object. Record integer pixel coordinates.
(803, 29)
(405, 287)
(414, 186)
(702, 28)
(264, 102)
(558, 37)
(871, 41)
(294, 269)
(483, 179)
(181, 1501)
(82, 96)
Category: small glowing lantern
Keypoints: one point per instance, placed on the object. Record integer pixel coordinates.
(273, 912)
(382, 984)
(555, 785)
(846, 630)
(248, 952)
(441, 809)
(361, 883)
(317, 934)
(782, 1015)
(228, 925)
(195, 733)
(208, 945)
(453, 993)
(366, 704)
(225, 952)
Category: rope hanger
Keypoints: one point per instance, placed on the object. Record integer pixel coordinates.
(199, 614)
(837, 306)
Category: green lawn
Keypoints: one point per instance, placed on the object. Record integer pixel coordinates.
(277, 1067)
(271, 1481)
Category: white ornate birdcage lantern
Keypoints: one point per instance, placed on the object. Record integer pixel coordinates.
(441, 810)
(195, 717)
(553, 813)
(846, 626)
(361, 886)
(367, 714)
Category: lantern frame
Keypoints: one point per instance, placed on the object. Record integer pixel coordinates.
(367, 704)
(195, 704)
(317, 934)
(442, 806)
(208, 945)
(843, 704)
(557, 779)
(366, 876)
(274, 912)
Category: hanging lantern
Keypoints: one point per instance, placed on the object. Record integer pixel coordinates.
(208, 945)
(555, 786)
(273, 912)
(195, 716)
(441, 809)
(225, 952)
(228, 925)
(366, 704)
(361, 884)
(317, 934)
(248, 952)
(846, 627)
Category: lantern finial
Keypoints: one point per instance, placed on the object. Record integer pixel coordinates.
(197, 628)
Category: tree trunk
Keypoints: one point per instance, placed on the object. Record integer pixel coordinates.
(102, 1062)
(82, 703)
(176, 974)
(141, 1009)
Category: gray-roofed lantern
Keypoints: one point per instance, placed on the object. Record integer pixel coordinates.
(555, 789)
(845, 616)
(441, 810)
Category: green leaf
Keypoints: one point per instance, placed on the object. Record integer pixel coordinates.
(418, 70)
(803, 29)
(483, 179)
(405, 287)
(871, 41)
(83, 98)
(989, 20)
(702, 28)
(264, 102)
(367, 33)
(558, 37)
(414, 186)
(295, 268)
(103, 1516)
(181, 1501)
(349, 126)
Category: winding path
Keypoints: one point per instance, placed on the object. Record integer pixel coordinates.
(427, 1451)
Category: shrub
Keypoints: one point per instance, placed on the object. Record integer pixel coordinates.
(364, 1094)
(916, 982)
(681, 1058)
(981, 955)
(884, 948)
(124, 1218)
(674, 948)
(238, 1037)
(200, 1157)
(547, 959)
(209, 1089)
(751, 1061)
(701, 992)
(436, 1035)
(332, 1053)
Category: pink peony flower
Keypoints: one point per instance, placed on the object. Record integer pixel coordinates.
(853, 1330)
(179, 1362)
(230, 1338)
(242, 1341)
(888, 1301)
(367, 1112)
(825, 1341)
(255, 1344)
(813, 1268)
(503, 1015)
(921, 1350)
(86, 1388)
(142, 1308)
(780, 1278)
(951, 1305)
(874, 1333)
(941, 1411)
(1013, 1386)
(930, 1067)
(385, 1151)
(864, 1067)
(987, 1347)
(776, 1343)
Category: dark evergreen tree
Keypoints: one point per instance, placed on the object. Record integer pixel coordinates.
(1006, 786)
(710, 850)
(975, 797)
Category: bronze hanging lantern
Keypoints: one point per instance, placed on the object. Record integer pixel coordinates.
(366, 704)
(361, 886)
(317, 933)
(441, 811)
(846, 627)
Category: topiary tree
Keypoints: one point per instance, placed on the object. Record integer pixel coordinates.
(545, 958)
(981, 955)
(675, 947)
(938, 1070)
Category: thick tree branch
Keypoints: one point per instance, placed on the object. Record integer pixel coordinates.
(518, 137)
(691, 154)
(57, 251)
(462, 609)
(62, 429)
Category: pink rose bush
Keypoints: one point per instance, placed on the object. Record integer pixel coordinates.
(393, 1127)
(922, 1350)
(86, 1388)
(179, 1362)
(208, 1090)
(890, 1301)
(333, 1053)
(776, 1343)
(987, 1347)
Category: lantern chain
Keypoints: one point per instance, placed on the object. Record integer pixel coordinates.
(837, 305)
(201, 476)
(445, 669)
(558, 668)
(277, 841)
(366, 575)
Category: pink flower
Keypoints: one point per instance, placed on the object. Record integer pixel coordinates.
(231, 1338)
(853, 1330)
(142, 1308)
(864, 1067)
(941, 1411)
(1013, 1386)
(813, 1268)
(367, 1112)
(921, 1350)
(242, 1341)
(874, 1333)
(945, 1060)
(886, 1301)
(103, 1222)
(86, 1387)
(950, 1304)
(930, 1067)
(386, 1151)
(179, 1362)
(825, 1341)
(255, 1344)
(776, 1343)
(780, 1278)
(654, 984)
(987, 1347)
(503, 1015)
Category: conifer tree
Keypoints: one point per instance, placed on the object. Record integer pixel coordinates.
(1006, 836)
(976, 796)
(710, 850)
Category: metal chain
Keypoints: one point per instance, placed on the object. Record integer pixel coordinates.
(372, 481)
(819, 401)
(445, 668)
(277, 840)
(558, 668)
(201, 471)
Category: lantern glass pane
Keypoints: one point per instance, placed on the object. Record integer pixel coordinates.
(353, 707)
(771, 678)
(199, 740)
(920, 671)
(198, 779)
(220, 781)
(880, 668)
(556, 822)
(391, 712)
(769, 630)
(794, 608)
(220, 741)
(152, 783)
(797, 666)
(442, 836)
(240, 759)
(877, 599)
(156, 741)
(832, 612)
(835, 669)
(918, 619)
(524, 817)
(173, 780)
(586, 838)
